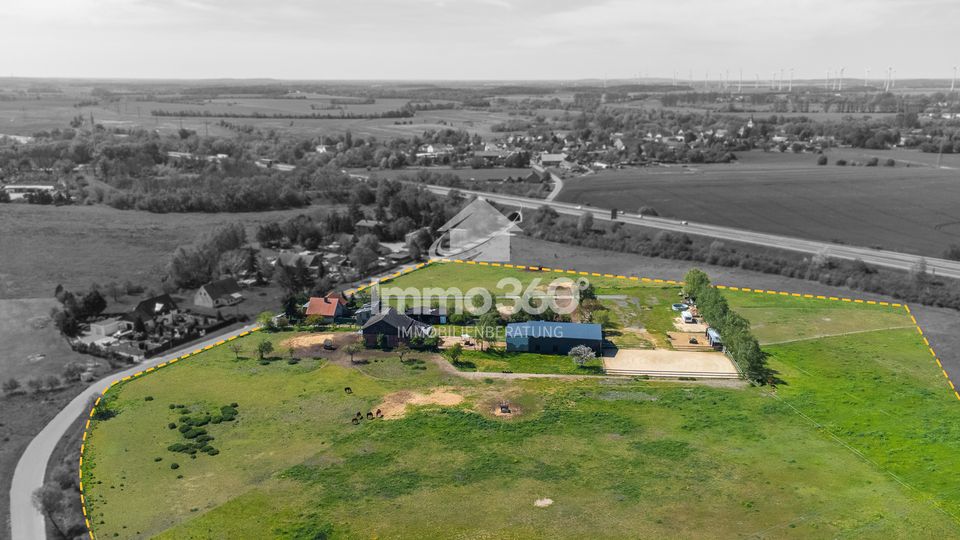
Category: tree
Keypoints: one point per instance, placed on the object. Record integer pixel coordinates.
(10, 386)
(296, 279)
(264, 348)
(72, 372)
(603, 318)
(585, 223)
(35, 385)
(92, 304)
(49, 501)
(266, 320)
(353, 348)
(402, 349)
(822, 160)
(454, 353)
(52, 382)
(237, 349)
(487, 328)
(362, 257)
(581, 354)
(695, 282)
(114, 291)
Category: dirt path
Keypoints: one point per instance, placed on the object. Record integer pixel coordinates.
(447, 368)
(820, 336)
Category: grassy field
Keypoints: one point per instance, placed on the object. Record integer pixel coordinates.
(70, 244)
(860, 440)
(907, 209)
(498, 361)
(26, 117)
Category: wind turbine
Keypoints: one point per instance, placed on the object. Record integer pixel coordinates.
(866, 77)
(826, 82)
(790, 85)
(953, 82)
(840, 82)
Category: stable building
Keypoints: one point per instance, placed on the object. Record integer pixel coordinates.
(394, 327)
(546, 337)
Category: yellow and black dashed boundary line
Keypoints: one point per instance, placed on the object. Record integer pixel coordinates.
(544, 269)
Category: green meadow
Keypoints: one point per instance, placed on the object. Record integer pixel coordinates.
(859, 440)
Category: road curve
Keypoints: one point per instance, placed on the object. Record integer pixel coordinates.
(26, 522)
(878, 257)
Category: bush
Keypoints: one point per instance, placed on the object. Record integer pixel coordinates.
(889, 163)
(172, 425)
(148, 398)
(873, 162)
(174, 466)
(158, 458)
(822, 160)
(841, 162)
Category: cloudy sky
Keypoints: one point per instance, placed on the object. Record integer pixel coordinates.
(475, 39)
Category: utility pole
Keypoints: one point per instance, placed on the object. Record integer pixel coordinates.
(740, 83)
(866, 77)
(826, 82)
(840, 82)
(953, 82)
(790, 85)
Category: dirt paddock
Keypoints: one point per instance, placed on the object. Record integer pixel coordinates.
(310, 344)
(673, 362)
(395, 405)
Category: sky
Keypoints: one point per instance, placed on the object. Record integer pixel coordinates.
(476, 39)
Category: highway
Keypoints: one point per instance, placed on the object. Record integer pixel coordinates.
(26, 522)
(877, 257)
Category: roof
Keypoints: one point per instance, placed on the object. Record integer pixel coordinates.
(368, 223)
(394, 319)
(325, 307)
(480, 219)
(563, 330)
(157, 305)
(221, 288)
(289, 258)
(553, 157)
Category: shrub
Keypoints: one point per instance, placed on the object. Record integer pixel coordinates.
(890, 162)
(822, 160)
(841, 162)
(172, 425)
(172, 406)
(873, 162)
(174, 465)
(148, 398)
(234, 404)
(158, 458)
(213, 451)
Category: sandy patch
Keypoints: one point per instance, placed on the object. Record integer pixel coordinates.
(543, 503)
(395, 405)
(306, 341)
(676, 363)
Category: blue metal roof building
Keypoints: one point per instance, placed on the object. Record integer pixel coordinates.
(548, 337)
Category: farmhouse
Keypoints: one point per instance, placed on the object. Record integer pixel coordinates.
(552, 337)
(367, 226)
(225, 292)
(328, 308)
(151, 308)
(552, 160)
(289, 259)
(394, 327)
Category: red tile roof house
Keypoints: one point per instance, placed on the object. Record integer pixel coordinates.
(329, 307)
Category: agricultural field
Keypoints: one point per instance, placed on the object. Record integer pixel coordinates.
(907, 209)
(26, 117)
(858, 440)
(69, 244)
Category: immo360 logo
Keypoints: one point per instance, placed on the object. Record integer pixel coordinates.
(560, 296)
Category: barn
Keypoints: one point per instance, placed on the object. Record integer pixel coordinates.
(548, 337)
(394, 327)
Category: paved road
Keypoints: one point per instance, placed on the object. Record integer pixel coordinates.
(878, 257)
(26, 522)
(557, 186)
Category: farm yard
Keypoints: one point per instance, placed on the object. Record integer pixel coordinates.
(833, 450)
(907, 209)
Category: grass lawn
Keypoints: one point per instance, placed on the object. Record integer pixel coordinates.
(860, 441)
(497, 361)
